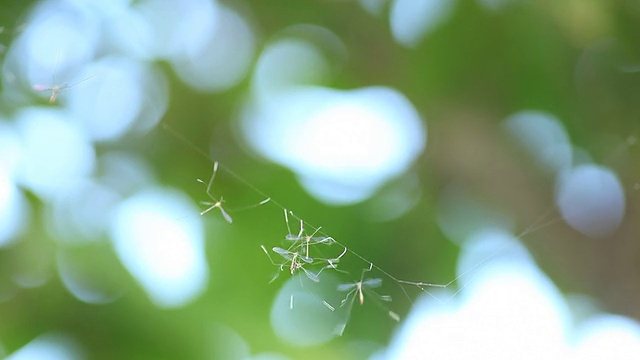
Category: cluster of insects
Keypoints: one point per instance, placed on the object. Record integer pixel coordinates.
(309, 252)
(303, 253)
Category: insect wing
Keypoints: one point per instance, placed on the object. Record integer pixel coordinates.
(311, 275)
(292, 237)
(394, 316)
(347, 287)
(323, 240)
(372, 283)
(225, 215)
(282, 252)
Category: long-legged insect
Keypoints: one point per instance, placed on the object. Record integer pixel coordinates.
(294, 261)
(330, 263)
(364, 287)
(57, 89)
(216, 203)
(302, 241)
(358, 290)
(306, 240)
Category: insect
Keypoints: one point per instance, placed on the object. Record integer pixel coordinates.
(57, 89)
(358, 290)
(306, 240)
(294, 261)
(216, 203)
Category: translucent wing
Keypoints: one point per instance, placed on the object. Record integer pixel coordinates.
(290, 255)
(311, 275)
(372, 283)
(225, 215)
(347, 287)
(282, 252)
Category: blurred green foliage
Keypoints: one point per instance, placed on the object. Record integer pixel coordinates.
(474, 70)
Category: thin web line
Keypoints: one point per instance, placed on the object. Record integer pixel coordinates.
(542, 222)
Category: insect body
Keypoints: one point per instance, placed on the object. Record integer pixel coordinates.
(294, 261)
(216, 203)
(57, 89)
(359, 289)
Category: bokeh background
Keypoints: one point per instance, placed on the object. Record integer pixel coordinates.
(486, 145)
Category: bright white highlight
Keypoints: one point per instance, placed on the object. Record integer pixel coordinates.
(178, 28)
(159, 238)
(122, 95)
(49, 346)
(298, 315)
(332, 132)
(55, 154)
(607, 337)
(59, 37)
(508, 309)
(412, 20)
(225, 57)
(342, 144)
(13, 211)
(591, 200)
(544, 137)
(13, 204)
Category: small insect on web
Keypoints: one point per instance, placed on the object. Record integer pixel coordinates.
(297, 256)
(359, 289)
(304, 254)
(57, 89)
(301, 251)
(293, 261)
(217, 203)
(305, 241)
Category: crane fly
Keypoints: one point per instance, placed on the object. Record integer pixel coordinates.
(57, 89)
(358, 290)
(216, 203)
(309, 240)
(294, 261)
(305, 240)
